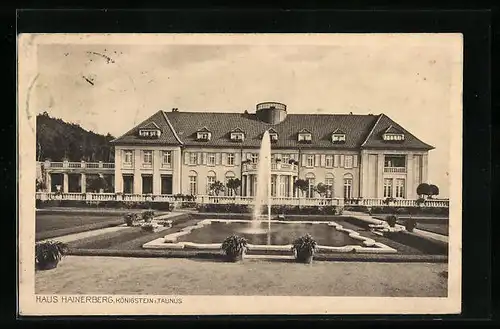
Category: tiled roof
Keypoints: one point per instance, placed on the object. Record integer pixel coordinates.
(321, 126)
(159, 120)
(149, 125)
(385, 123)
(392, 130)
(360, 130)
(338, 131)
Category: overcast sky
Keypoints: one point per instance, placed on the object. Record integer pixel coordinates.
(112, 86)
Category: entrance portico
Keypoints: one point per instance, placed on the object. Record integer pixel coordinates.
(282, 179)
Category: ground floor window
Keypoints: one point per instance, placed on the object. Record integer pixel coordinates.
(329, 185)
(273, 185)
(310, 189)
(128, 184)
(147, 184)
(210, 181)
(388, 188)
(193, 184)
(400, 188)
(347, 187)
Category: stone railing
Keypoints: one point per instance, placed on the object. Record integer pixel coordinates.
(204, 199)
(394, 169)
(47, 165)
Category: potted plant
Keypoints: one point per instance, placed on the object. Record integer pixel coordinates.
(234, 248)
(130, 218)
(391, 220)
(48, 254)
(304, 248)
(410, 224)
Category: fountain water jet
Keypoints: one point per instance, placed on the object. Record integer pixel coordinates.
(263, 190)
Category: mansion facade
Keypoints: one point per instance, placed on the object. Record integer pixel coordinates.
(368, 156)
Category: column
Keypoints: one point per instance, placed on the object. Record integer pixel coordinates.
(278, 186)
(83, 183)
(247, 184)
(290, 186)
(137, 172)
(425, 167)
(410, 189)
(157, 159)
(177, 157)
(363, 175)
(48, 181)
(65, 182)
(118, 171)
(380, 176)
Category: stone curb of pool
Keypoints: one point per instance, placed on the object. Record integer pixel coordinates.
(170, 240)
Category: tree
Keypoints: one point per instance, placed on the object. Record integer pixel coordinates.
(322, 189)
(433, 190)
(423, 189)
(233, 184)
(301, 184)
(217, 187)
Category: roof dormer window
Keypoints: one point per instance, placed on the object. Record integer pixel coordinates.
(304, 136)
(237, 135)
(392, 134)
(150, 130)
(273, 135)
(203, 134)
(338, 136)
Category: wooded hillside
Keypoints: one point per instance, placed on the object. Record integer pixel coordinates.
(58, 140)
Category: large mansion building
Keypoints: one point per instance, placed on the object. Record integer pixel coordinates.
(368, 156)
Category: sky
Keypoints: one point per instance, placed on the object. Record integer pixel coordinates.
(110, 85)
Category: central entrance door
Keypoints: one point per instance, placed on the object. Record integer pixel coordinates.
(166, 184)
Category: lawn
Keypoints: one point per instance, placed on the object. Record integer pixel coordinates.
(51, 225)
(159, 276)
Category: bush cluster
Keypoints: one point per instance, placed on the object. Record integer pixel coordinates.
(164, 206)
(275, 210)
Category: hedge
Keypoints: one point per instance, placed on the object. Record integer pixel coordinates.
(164, 206)
(276, 209)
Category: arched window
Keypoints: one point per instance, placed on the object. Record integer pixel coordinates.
(229, 175)
(311, 180)
(211, 178)
(193, 182)
(330, 183)
(348, 186)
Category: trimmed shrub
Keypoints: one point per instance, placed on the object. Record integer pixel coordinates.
(391, 220)
(148, 215)
(130, 218)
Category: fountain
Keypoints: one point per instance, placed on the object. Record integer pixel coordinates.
(263, 190)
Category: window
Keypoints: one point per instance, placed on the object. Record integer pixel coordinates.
(388, 188)
(127, 157)
(273, 185)
(255, 158)
(329, 161)
(310, 160)
(394, 137)
(204, 135)
(305, 137)
(237, 136)
(395, 163)
(400, 188)
(285, 158)
(273, 136)
(193, 158)
(167, 157)
(148, 158)
(329, 185)
(228, 191)
(149, 133)
(210, 181)
(348, 161)
(230, 159)
(347, 187)
(193, 188)
(337, 138)
(211, 159)
(310, 190)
